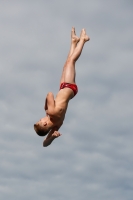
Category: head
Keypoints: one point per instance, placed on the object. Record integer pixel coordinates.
(43, 126)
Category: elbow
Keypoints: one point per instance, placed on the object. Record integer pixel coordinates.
(49, 95)
(45, 144)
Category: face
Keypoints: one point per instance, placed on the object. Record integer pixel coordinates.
(45, 122)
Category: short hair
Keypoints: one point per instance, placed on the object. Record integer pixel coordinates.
(41, 131)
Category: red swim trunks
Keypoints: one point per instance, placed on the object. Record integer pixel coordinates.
(71, 86)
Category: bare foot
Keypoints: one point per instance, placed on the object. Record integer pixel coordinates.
(74, 38)
(84, 36)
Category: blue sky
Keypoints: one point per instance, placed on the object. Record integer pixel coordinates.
(93, 157)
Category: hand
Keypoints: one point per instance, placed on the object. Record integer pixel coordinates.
(56, 134)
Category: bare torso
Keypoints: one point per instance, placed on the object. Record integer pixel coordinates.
(60, 106)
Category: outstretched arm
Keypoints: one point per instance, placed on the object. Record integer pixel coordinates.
(51, 136)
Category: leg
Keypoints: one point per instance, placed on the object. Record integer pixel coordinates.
(75, 51)
(74, 41)
(83, 38)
